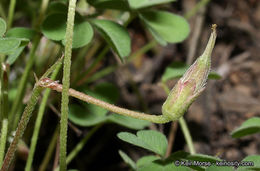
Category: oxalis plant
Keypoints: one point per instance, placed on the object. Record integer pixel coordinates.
(69, 25)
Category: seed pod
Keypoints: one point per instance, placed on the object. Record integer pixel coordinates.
(192, 83)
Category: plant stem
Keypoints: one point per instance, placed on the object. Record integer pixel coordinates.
(187, 135)
(4, 132)
(183, 125)
(82, 143)
(47, 83)
(21, 127)
(25, 119)
(195, 9)
(22, 83)
(38, 123)
(50, 150)
(11, 13)
(30, 62)
(66, 84)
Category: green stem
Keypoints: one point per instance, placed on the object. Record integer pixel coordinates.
(50, 150)
(25, 119)
(5, 90)
(2, 12)
(82, 143)
(24, 79)
(11, 13)
(183, 125)
(187, 135)
(4, 132)
(38, 123)
(195, 9)
(66, 84)
(22, 83)
(47, 83)
(21, 127)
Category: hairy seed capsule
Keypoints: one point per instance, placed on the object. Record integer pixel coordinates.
(192, 83)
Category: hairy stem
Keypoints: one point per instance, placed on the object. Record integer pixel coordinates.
(38, 123)
(66, 84)
(47, 83)
(11, 13)
(4, 132)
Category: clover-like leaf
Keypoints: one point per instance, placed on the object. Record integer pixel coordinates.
(167, 26)
(253, 163)
(136, 4)
(148, 139)
(249, 127)
(110, 4)
(2, 27)
(21, 32)
(8, 45)
(146, 160)
(116, 36)
(127, 159)
(162, 165)
(128, 122)
(54, 28)
(12, 57)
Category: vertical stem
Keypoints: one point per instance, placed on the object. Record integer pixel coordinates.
(82, 143)
(66, 84)
(11, 13)
(187, 135)
(21, 127)
(38, 122)
(3, 140)
(50, 150)
(22, 83)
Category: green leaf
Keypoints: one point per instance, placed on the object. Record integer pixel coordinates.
(88, 114)
(162, 166)
(110, 4)
(57, 7)
(127, 159)
(146, 160)
(136, 4)
(116, 36)
(21, 32)
(169, 27)
(54, 28)
(219, 168)
(15, 54)
(8, 45)
(83, 34)
(184, 156)
(2, 27)
(148, 139)
(249, 127)
(128, 122)
(253, 159)
(177, 69)
(214, 76)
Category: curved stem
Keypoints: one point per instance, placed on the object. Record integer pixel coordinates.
(66, 84)
(47, 83)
